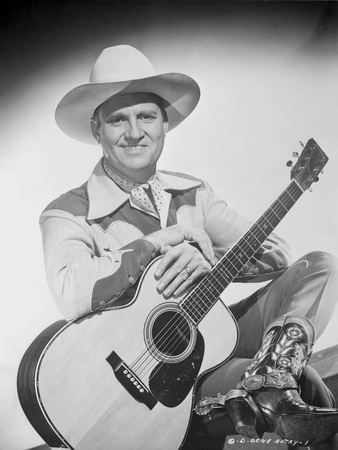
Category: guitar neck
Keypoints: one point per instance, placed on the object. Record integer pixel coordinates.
(202, 298)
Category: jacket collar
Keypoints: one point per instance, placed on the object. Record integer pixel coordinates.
(105, 196)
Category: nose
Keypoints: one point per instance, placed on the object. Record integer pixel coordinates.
(134, 131)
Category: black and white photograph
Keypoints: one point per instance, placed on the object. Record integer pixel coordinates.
(169, 225)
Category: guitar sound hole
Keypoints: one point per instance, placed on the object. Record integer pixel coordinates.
(171, 334)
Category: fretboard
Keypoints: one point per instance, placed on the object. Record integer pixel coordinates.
(203, 297)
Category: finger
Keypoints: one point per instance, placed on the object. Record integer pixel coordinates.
(249, 268)
(172, 279)
(205, 245)
(175, 255)
(196, 268)
(176, 272)
(207, 251)
(175, 284)
(256, 268)
(263, 267)
(193, 278)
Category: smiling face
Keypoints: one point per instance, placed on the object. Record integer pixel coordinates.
(131, 129)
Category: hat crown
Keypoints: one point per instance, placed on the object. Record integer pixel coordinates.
(121, 63)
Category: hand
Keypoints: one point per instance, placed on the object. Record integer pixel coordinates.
(264, 262)
(176, 234)
(179, 268)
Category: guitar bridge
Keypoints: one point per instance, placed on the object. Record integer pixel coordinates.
(130, 381)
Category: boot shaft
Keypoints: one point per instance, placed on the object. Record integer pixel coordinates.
(284, 353)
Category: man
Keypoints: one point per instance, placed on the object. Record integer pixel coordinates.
(99, 238)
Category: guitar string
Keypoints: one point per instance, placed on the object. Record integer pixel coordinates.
(186, 337)
(274, 213)
(274, 210)
(244, 251)
(169, 331)
(172, 336)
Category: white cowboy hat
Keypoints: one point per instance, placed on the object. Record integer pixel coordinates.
(119, 70)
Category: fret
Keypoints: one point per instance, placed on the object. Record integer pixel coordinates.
(197, 308)
(294, 200)
(281, 203)
(206, 296)
(203, 297)
(193, 316)
(268, 223)
(274, 212)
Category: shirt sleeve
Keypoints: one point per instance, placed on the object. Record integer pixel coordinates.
(225, 226)
(81, 279)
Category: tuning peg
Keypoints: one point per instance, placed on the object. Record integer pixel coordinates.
(301, 143)
(290, 163)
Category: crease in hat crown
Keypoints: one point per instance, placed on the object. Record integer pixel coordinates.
(124, 69)
(121, 63)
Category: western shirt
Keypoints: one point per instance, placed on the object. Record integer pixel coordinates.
(92, 236)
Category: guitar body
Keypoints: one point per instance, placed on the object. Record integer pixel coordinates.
(115, 379)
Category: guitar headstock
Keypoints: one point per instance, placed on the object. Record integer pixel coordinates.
(309, 164)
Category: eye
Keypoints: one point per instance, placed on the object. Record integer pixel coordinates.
(116, 121)
(146, 117)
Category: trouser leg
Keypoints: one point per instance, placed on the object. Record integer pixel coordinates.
(308, 288)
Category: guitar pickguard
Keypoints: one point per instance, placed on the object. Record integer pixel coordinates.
(171, 383)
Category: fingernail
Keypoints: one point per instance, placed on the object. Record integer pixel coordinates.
(167, 292)
(158, 273)
(161, 287)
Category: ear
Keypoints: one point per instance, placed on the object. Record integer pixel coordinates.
(165, 127)
(95, 126)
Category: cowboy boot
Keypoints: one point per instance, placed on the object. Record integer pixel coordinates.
(268, 396)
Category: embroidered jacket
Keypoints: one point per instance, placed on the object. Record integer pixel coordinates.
(92, 236)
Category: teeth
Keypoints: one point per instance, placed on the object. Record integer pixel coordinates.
(138, 147)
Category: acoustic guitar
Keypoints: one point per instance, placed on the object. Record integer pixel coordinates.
(125, 378)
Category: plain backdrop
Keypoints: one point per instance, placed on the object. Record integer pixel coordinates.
(268, 73)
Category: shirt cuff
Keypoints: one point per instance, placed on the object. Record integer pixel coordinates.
(132, 259)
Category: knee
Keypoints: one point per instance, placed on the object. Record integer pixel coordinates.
(323, 263)
(323, 260)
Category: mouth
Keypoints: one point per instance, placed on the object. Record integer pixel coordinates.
(134, 147)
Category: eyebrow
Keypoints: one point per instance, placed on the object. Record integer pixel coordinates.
(148, 111)
(115, 114)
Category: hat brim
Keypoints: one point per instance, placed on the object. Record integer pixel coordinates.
(75, 110)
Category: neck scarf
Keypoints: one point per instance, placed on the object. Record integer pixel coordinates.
(147, 196)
